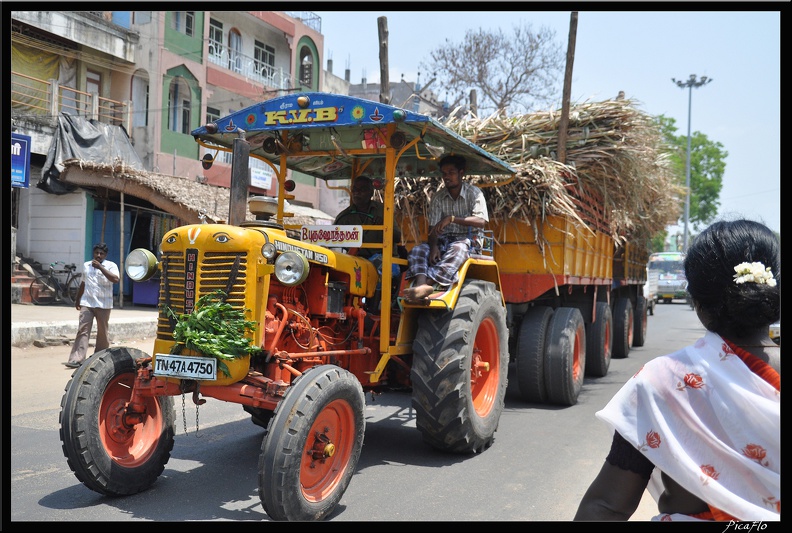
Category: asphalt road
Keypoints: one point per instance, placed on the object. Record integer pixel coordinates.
(541, 463)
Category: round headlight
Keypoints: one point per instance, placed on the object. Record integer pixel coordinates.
(268, 251)
(140, 264)
(291, 268)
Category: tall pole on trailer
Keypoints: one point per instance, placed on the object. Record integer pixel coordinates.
(382, 27)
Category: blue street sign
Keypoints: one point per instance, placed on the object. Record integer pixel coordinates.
(20, 160)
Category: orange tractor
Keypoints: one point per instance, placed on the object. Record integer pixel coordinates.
(278, 318)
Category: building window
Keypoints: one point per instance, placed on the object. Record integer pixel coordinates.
(184, 22)
(93, 86)
(179, 103)
(306, 67)
(212, 114)
(140, 101)
(235, 51)
(264, 59)
(185, 123)
(93, 82)
(223, 156)
(215, 39)
(141, 17)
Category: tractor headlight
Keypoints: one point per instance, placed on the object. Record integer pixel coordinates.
(268, 251)
(291, 268)
(140, 264)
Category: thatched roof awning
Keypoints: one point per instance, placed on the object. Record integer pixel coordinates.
(181, 197)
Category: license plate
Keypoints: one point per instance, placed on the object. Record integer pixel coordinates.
(185, 366)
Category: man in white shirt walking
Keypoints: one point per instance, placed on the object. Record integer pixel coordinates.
(94, 301)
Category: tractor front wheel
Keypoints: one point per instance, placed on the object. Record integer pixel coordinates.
(312, 445)
(109, 453)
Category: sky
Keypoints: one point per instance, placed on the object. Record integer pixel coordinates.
(638, 52)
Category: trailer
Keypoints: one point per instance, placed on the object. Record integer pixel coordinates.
(574, 300)
(571, 240)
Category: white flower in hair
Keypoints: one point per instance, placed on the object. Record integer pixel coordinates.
(754, 273)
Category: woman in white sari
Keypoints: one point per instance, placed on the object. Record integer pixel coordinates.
(701, 427)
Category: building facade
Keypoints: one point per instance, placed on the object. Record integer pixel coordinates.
(157, 75)
(154, 76)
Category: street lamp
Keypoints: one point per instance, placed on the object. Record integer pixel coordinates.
(690, 84)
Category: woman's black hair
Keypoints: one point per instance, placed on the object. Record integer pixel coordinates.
(734, 310)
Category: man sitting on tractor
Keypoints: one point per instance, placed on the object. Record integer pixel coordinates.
(364, 210)
(457, 216)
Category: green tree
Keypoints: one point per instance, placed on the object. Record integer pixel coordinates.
(657, 244)
(707, 165)
(508, 71)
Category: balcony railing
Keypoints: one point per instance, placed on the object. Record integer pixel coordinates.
(309, 18)
(46, 99)
(255, 70)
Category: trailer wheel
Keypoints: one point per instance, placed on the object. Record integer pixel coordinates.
(460, 371)
(105, 452)
(530, 350)
(565, 356)
(599, 342)
(312, 445)
(623, 328)
(640, 322)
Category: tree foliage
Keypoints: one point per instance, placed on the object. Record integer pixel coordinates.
(707, 165)
(512, 72)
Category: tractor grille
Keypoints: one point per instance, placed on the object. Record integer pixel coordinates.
(184, 281)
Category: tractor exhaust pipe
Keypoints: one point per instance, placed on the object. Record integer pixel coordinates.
(240, 180)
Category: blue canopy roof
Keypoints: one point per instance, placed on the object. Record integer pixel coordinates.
(330, 136)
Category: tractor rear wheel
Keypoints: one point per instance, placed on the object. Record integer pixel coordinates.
(460, 370)
(312, 445)
(106, 453)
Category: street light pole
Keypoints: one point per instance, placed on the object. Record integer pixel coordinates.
(690, 84)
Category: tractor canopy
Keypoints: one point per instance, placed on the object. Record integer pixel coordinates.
(337, 137)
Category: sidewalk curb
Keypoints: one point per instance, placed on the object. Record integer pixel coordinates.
(120, 329)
